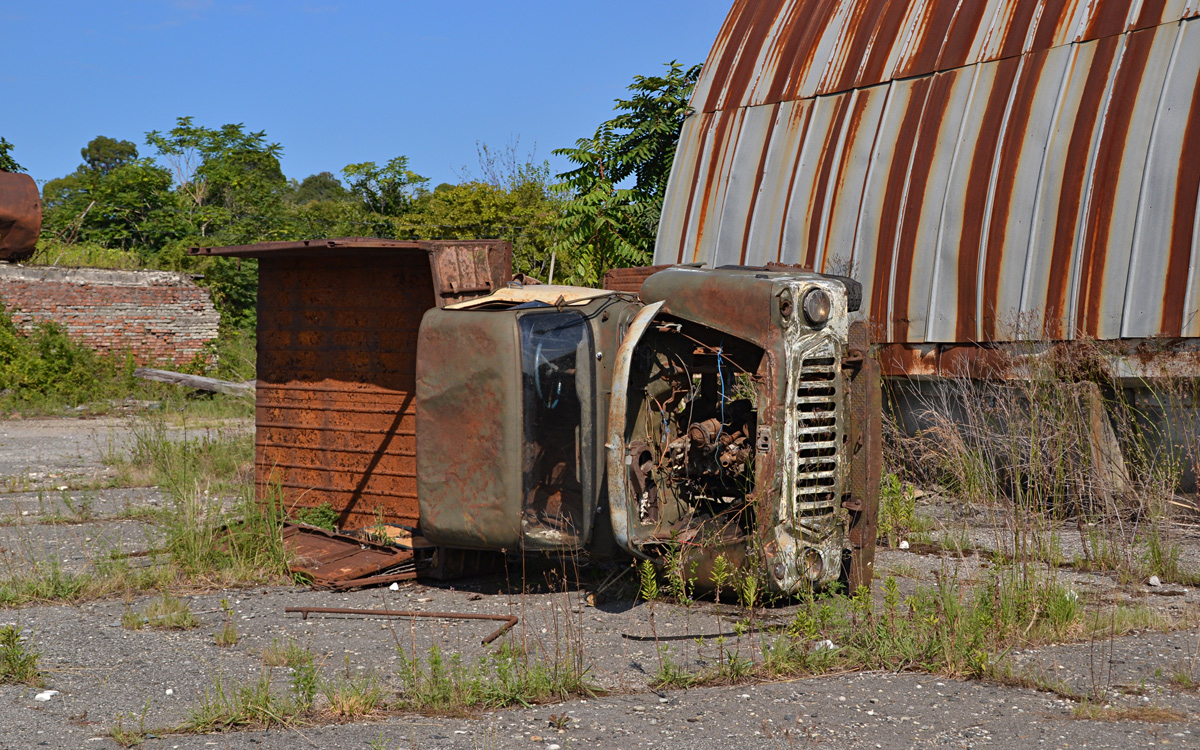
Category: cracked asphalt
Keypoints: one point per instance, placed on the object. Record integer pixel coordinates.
(103, 672)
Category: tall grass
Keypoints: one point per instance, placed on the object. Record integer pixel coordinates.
(1050, 436)
(213, 530)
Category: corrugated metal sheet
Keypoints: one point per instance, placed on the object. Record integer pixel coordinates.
(337, 344)
(988, 170)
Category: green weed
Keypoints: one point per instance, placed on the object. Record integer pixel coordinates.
(18, 664)
(443, 684)
(167, 613)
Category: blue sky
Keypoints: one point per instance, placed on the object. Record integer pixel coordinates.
(334, 82)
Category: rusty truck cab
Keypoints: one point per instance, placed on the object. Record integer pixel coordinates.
(512, 403)
(707, 419)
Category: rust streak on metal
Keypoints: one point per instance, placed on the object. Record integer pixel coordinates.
(736, 68)
(893, 199)
(1106, 178)
(860, 108)
(758, 178)
(1108, 19)
(961, 35)
(1181, 252)
(935, 24)
(1017, 29)
(804, 28)
(1054, 14)
(1075, 176)
(1150, 14)
(863, 19)
(975, 203)
(918, 177)
(817, 200)
(509, 621)
(1005, 185)
(787, 201)
(715, 170)
(885, 34)
(693, 184)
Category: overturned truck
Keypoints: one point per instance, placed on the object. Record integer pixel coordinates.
(729, 412)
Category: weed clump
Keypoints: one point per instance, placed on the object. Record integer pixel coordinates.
(167, 613)
(18, 665)
(452, 686)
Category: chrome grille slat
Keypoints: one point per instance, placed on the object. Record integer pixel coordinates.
(817, 429)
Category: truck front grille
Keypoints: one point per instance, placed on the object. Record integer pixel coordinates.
(817, 438)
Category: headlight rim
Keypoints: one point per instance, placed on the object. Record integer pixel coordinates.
(817, 311)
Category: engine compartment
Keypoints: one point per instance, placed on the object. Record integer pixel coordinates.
(691, 457)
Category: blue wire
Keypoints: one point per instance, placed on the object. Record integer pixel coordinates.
(721, 379)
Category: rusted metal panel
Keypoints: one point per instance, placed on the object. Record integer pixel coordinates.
(330, 558)
(990, 170)
(20, 216)
(337, 356)
(629, 280)
(468, 269)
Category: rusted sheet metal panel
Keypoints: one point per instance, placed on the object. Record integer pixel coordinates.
(330, 558)
(990, 170)
(462, 270)
(337, 354)
(337, 347)
(629, 280)
(780, 50)
(20, 216)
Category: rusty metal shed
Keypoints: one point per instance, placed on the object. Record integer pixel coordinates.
(337, 345)
(988, 170)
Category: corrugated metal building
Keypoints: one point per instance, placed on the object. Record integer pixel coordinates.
(989, 170)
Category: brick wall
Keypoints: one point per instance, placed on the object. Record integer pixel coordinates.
(160, 316)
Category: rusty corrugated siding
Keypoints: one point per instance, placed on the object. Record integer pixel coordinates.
(337, 346)
(336, 356)
(983, 168)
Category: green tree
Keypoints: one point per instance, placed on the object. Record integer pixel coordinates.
(113, 200)
(7, 163)
(319, 187)
(519, 208)
(614, 195)
(388, 190)
(228, 180)
(104, 154)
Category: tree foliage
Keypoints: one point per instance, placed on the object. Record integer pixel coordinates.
(7, 163)
(616, 190)
(224, 186)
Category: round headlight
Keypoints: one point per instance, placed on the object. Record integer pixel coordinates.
(811, 565)
(817, 306)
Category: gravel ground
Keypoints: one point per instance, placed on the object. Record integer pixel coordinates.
(103, 671)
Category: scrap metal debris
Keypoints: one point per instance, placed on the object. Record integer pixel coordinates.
(509, 621)
(340, 561)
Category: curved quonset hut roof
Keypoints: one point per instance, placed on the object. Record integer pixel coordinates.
(979, 165)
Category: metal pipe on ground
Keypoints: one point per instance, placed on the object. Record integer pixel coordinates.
(509, 620)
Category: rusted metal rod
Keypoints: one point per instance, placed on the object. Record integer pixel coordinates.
(509, 620)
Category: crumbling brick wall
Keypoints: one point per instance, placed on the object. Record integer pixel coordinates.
(159, 316)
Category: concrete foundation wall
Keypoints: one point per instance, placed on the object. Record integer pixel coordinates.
(159, 316)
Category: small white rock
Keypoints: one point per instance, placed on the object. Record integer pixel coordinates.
(904, 544)
(63, 488)
(1154, 581)
(170, 691)
(554, 747)
(45, 695)
(394, 587)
